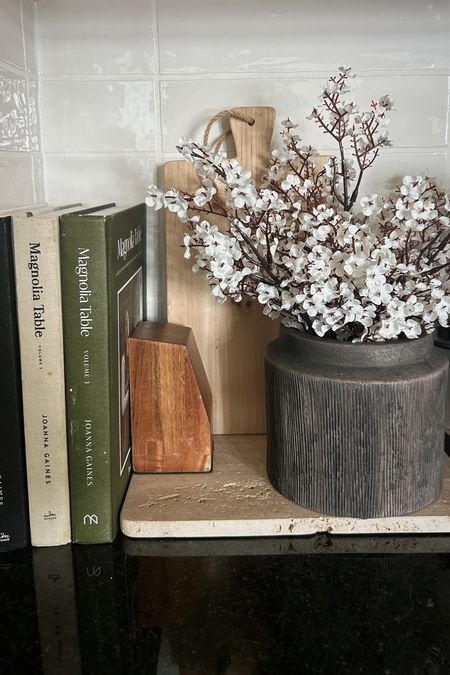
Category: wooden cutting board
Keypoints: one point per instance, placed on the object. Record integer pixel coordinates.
(231, 337)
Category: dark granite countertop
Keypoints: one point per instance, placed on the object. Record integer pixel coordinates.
(258, 607)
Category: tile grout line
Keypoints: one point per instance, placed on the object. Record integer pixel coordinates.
(157, 82)
(172, 154)
(28, 112)
(42, 152)
(160, 294)
(315, 75)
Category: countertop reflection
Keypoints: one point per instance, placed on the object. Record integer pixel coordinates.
(256, 606)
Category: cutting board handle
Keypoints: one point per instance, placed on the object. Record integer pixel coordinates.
(253, 141)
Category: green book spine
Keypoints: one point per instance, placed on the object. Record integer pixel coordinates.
(102, 270)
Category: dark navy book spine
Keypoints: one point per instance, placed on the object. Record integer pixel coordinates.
(14, 529)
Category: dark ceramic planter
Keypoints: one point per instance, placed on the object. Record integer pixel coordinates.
(442, 340)
(355, 429)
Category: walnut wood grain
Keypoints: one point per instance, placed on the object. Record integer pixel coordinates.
(171, 401)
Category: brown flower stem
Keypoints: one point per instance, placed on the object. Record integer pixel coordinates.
(333, 184)
(439, 248)
(260, 258)
(436, 269)
(344, 176)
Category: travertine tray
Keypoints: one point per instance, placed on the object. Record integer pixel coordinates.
(237, 500)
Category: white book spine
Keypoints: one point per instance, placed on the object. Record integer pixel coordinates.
(38, 281)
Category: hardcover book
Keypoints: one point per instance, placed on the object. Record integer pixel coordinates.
(37, 263)
(14, 529)
(103, 271)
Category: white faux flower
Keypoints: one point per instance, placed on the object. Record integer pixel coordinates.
(291, 180)
(386, 102)
(187, 245)
(370, 205)
(176, 203)
(412, 187)
(244, 195)
(288, 124)
(423, 210)
(266, 293)
(155, 197)
(313, 253)
(218, 294)
(281, 156)
(204, 194)
(402, 210)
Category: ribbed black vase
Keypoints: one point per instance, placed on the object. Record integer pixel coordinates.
(355, 429)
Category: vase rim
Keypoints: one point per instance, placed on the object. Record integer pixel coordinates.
(364, 354)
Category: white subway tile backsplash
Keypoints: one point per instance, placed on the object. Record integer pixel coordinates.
(118, 88)
(11, 39)
(33, 114)
(14, 112)
(101, 37)
(28, 18)
(16, 180)
(204, 36)
(38, 178)
(21, 177)
(98, 116)
(98, 179)
(419, 118)
(390, 167)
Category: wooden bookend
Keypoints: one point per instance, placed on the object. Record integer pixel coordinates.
(170, 401)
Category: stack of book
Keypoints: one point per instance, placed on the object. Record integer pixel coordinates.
(72, 289)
